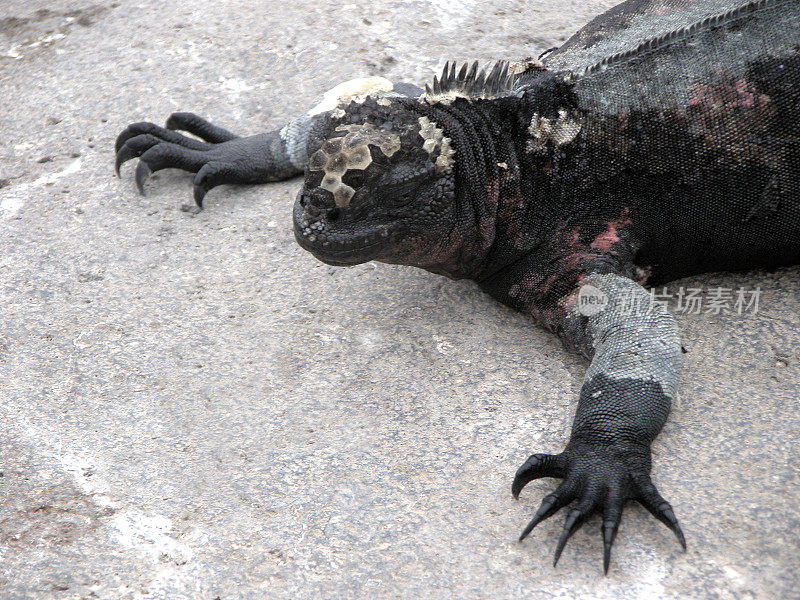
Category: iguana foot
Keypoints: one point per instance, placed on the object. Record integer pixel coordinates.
(601, 479)
(219, 157)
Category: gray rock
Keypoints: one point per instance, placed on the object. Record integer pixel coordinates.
(194, 408)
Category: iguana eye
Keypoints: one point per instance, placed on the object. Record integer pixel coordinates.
(401, 192)
(355, 178)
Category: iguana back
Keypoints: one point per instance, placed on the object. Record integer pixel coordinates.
(689, 113)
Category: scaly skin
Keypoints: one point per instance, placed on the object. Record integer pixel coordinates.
(660, 141)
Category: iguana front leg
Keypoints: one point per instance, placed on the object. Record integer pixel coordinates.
(221, 157)
(626, 396)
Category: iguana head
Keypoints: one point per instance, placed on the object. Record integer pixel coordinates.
(379, 186)
(413, 181)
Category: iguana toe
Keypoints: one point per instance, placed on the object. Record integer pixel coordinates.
(199, 192)
(210, 176)
(165, 135)
(133, 147)
(550, 505)
(197, 125)
(609, 529)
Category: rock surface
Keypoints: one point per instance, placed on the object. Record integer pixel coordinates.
(194, 408)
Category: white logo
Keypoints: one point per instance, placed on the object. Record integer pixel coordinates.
(591, 300)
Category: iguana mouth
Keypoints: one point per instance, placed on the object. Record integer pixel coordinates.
(313, 233)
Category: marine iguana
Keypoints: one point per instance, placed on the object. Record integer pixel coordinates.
(660, 141)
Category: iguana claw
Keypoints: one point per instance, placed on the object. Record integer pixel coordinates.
(142, 173)
(124, 154)
(537, 465)
(601, 481)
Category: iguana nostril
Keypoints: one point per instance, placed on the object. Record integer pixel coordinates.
(319, 199)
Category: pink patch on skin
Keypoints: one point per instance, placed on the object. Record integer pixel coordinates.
(565, 269)
(604, 241)
(571, 299)
(728, 94)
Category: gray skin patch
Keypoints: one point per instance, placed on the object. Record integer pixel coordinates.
(434, 139)
(294, 136)
(355, 90)
(629, 338)
(339, 155)
(626, 28)
(559, 131)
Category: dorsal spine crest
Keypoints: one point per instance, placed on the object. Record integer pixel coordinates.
(471, 82)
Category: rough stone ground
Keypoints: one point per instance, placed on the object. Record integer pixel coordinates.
(193, 408)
